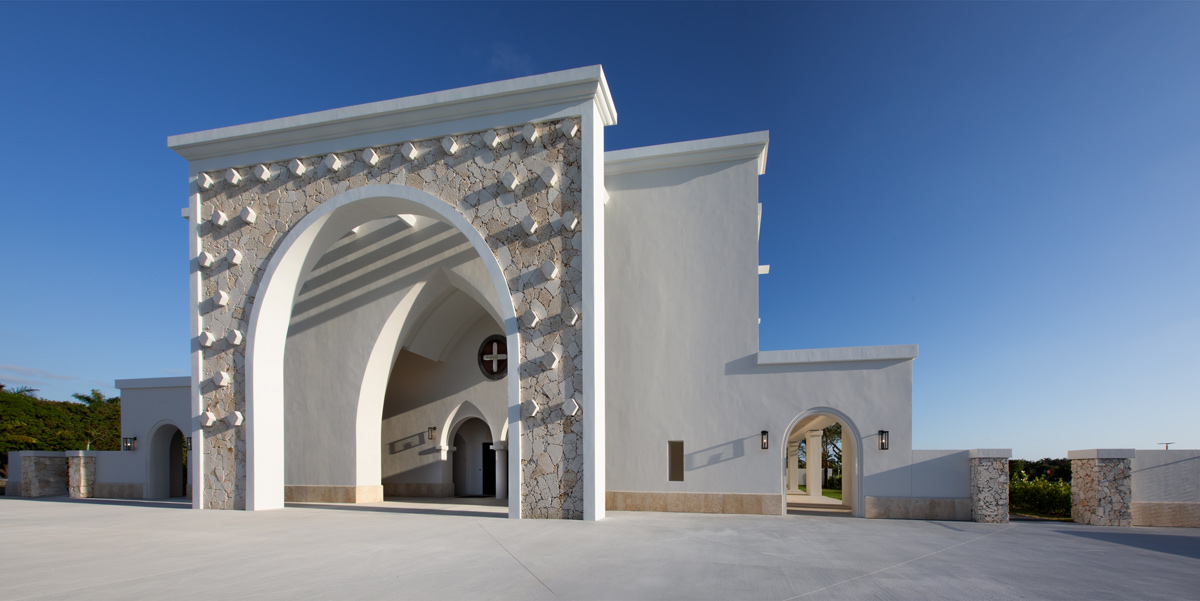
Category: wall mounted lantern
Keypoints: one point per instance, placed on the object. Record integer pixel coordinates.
(431, 433)
(764, 440)
(187, 444)
(129, 444)
(883, 440)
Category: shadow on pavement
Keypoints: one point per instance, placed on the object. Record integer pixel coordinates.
(1185, 546)
(457, 510)
(180, 503)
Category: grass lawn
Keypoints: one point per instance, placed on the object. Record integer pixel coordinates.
(825, 492)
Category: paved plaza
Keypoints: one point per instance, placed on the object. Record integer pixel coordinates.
(96, 549)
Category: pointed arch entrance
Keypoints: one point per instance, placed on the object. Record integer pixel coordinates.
(274, 313)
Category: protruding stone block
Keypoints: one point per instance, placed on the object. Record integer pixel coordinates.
(510, 180)
(207, 339)
(409, 151)
(332, 162)
(530, 133)
(571, 316)
(529, 224)
(298, 167)
(550, 360)
(205, 181)
(234, 256)
(568, 127)
(220, 298)
(491, 139)
(222, 379)
(370, 157)
(219, 218)
(531, 408)
(569, 221)
(531, 319)
(450, 145)
(234, 419)
(248, 215)
(205, 260)
(549, 177)
(549, 269)
(571, 407)
(207, 419)
(264, 173)
(234, 176)
(234, 337)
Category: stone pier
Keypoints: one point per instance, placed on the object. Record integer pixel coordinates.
(1100, 486)
(989, 485)
(81, 474)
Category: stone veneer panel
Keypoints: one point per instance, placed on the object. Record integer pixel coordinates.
(918, 508)
(989, 490)
(81, 470)
(470, 181)
(1100, 492)
(43, 476)
(1174, 515)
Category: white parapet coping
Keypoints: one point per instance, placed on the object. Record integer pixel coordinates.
(989, 453)
(175, 382)
(902, 352)
(1102, 454)
(360, 122)
(726, 149)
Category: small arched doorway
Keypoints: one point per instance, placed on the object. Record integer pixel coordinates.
(166, 473)
(822, 464)
(473, 460)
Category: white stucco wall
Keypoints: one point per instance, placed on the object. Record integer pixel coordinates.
(147, 406)
(682, 300)
(1166, 476)
(424, 393)
(945, 474)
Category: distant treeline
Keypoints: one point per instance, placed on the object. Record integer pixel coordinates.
(1052, 470)
(29, 423)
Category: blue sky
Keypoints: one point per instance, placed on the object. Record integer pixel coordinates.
(1015, 187)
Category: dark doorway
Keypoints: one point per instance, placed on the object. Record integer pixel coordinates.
(178, 477)
(489, 470)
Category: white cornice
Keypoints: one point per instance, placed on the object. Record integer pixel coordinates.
(903, 352)
(175, 382)
(537, 91)
(725, 149)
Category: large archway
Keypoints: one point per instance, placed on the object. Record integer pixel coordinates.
(275, 312)
(806, 490)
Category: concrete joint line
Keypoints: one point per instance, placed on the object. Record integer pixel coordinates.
(966, 542)
(535, 577)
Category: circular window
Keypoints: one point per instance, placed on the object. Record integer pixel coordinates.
(493, 357)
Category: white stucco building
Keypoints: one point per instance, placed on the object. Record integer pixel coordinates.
(465, 293)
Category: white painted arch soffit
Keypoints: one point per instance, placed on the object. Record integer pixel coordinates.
(450, 112)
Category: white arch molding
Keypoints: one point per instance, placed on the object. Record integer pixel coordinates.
(271, 313)
(857, 506)
(157, 444)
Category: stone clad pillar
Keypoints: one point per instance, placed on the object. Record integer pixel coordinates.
(81, 474)
(1100, 486)
(812, 463)
(989, 485)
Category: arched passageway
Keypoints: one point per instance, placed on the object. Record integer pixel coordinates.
(392, 300)
(822, 459)
(166, 473)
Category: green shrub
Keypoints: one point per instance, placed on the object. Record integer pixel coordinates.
(834, 483)
(1039, 495)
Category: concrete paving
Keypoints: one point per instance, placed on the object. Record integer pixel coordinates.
(63, 549)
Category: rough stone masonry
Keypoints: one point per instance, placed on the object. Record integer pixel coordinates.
(506, 182)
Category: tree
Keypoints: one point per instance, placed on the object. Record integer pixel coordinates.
(831, 452)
